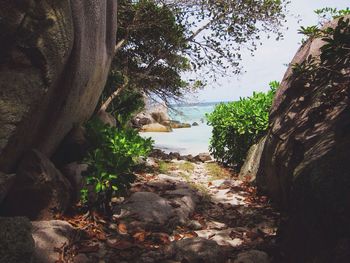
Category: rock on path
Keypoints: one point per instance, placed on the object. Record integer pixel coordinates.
(202, 219)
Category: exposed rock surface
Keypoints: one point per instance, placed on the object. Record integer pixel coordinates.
(153, 113)
(73, 147)
(49, 235)
(179, 125)
(16, 241)
(107, 118)
(198, 250)
(6, 181)
(252, 162)
(150, 208)
(55, 57)
(40, 189)
(305, 162)
(252, 256)
(155, 127)
(202, 157)
(74, 173)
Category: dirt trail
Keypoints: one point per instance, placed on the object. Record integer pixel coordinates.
(186, 212)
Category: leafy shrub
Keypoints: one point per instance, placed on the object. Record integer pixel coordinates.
(112, 156)
(129, 101)
(238, 125)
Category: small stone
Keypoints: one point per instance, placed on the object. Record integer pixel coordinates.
(197, 250)
(203, 157)
(195, 225)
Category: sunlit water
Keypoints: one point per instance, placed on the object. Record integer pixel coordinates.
(192, 140)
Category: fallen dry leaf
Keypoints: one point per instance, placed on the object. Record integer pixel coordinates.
(191, 234)
(177, 237)
(122, 229)
(140, 236)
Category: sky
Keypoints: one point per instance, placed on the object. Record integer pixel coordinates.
(270, 59)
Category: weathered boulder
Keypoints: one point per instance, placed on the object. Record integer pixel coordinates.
(252, 256)
(40, 190)
(197, 250)
(252, 162)
(305, 162)
(179, 125)
(48, 236)
(73, 147)
(151, 210)
(195, 124)
(106, 118)
(55, 57)
(74, 173)
(6, 181)
(16, 241)
(202, 157)
(155, 127)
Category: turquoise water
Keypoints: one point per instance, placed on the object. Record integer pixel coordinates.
(192, 140)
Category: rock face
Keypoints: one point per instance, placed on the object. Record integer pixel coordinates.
(197, 250)
(305, 162)
(74, 173)
(55, 57)
(150, 208)
(107, 118)
(251, 164)
(6, 181)
(155, 127)
(252, 256)
(153, 113)
(49, 235)
(16, 241)
(40, 189)
(202, 157)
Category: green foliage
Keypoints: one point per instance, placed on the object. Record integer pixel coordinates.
(333, 59)
(158, 41)
(310, 31)
(238, 125)
(112, 156)
(128, 103)
(328, 13)
(150, 56)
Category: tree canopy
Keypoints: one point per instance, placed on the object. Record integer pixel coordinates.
(159, 40)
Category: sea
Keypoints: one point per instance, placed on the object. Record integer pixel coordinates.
(192, 140)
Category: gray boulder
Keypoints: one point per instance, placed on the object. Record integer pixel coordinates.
(252, 162)
(305, 162)
(16, 241)
(106, 118)
(197, 250)
(6, 181)
(74, 173)
(149, 209)
(252, 256)
(55, 57)
(41, 190)
(49, 235)
(202, 157)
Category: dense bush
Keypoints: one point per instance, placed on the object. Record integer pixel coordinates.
(238, 125)
(127, 103)
(112, 156)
